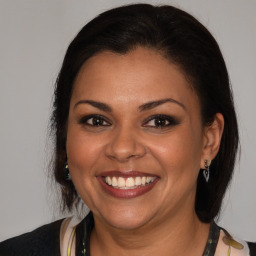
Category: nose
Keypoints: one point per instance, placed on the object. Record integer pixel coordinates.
(125, 144)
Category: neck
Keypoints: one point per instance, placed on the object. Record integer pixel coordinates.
(181, 235)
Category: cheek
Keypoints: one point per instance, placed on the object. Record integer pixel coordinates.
(179, 151)
(83, 151)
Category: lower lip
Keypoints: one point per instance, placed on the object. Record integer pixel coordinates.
(126, 193)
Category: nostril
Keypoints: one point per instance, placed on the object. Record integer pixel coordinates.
(125, 153)
(122, 158)
(124, 144)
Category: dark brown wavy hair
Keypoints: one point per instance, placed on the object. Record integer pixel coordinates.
(184, 41)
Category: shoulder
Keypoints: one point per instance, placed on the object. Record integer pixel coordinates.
(40, 242)
(233, 246)
(252, 247)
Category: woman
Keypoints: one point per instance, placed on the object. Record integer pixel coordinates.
(146, 136)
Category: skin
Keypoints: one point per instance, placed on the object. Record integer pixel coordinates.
(128, 139)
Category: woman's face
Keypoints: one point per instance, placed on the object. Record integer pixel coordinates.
(135, 140)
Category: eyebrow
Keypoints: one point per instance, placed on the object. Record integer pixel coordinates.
(96, 104)
(153, 104)
(143, 107)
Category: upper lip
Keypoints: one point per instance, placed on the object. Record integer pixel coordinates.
(117, 173)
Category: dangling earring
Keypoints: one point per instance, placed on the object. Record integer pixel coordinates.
(206, 171)
(66, 171)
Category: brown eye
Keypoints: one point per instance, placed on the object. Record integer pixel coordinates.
(94, 120)
(160, 121)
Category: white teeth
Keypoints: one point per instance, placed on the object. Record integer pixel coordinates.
(138, 181)
(130, 182)
(108, 180)
(114, 182)
(121, 182)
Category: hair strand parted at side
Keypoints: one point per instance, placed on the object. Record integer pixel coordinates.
(182, 40)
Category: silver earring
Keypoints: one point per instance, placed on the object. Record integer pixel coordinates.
(66, 171)
(206, 171)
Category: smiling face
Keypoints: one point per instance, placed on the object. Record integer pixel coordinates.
(135, 140)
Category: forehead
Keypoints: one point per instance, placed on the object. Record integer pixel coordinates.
(138, 76)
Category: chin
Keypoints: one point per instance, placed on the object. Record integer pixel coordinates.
(128, 219)
(128, 223)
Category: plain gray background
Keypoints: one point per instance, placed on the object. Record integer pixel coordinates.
(34, 37)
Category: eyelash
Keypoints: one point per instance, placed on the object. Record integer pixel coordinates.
(162, 118)
(100, 121)
(98, 118)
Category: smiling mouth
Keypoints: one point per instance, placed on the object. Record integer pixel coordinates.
(128, 182)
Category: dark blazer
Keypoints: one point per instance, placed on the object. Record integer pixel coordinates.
(40, 242)
(45, 241)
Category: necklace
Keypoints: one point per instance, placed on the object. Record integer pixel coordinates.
(84, 229)
(212, 241)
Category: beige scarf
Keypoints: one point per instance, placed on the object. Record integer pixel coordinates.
(68, 236)
(225, 247)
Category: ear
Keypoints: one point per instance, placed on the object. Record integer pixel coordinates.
(212, 139)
